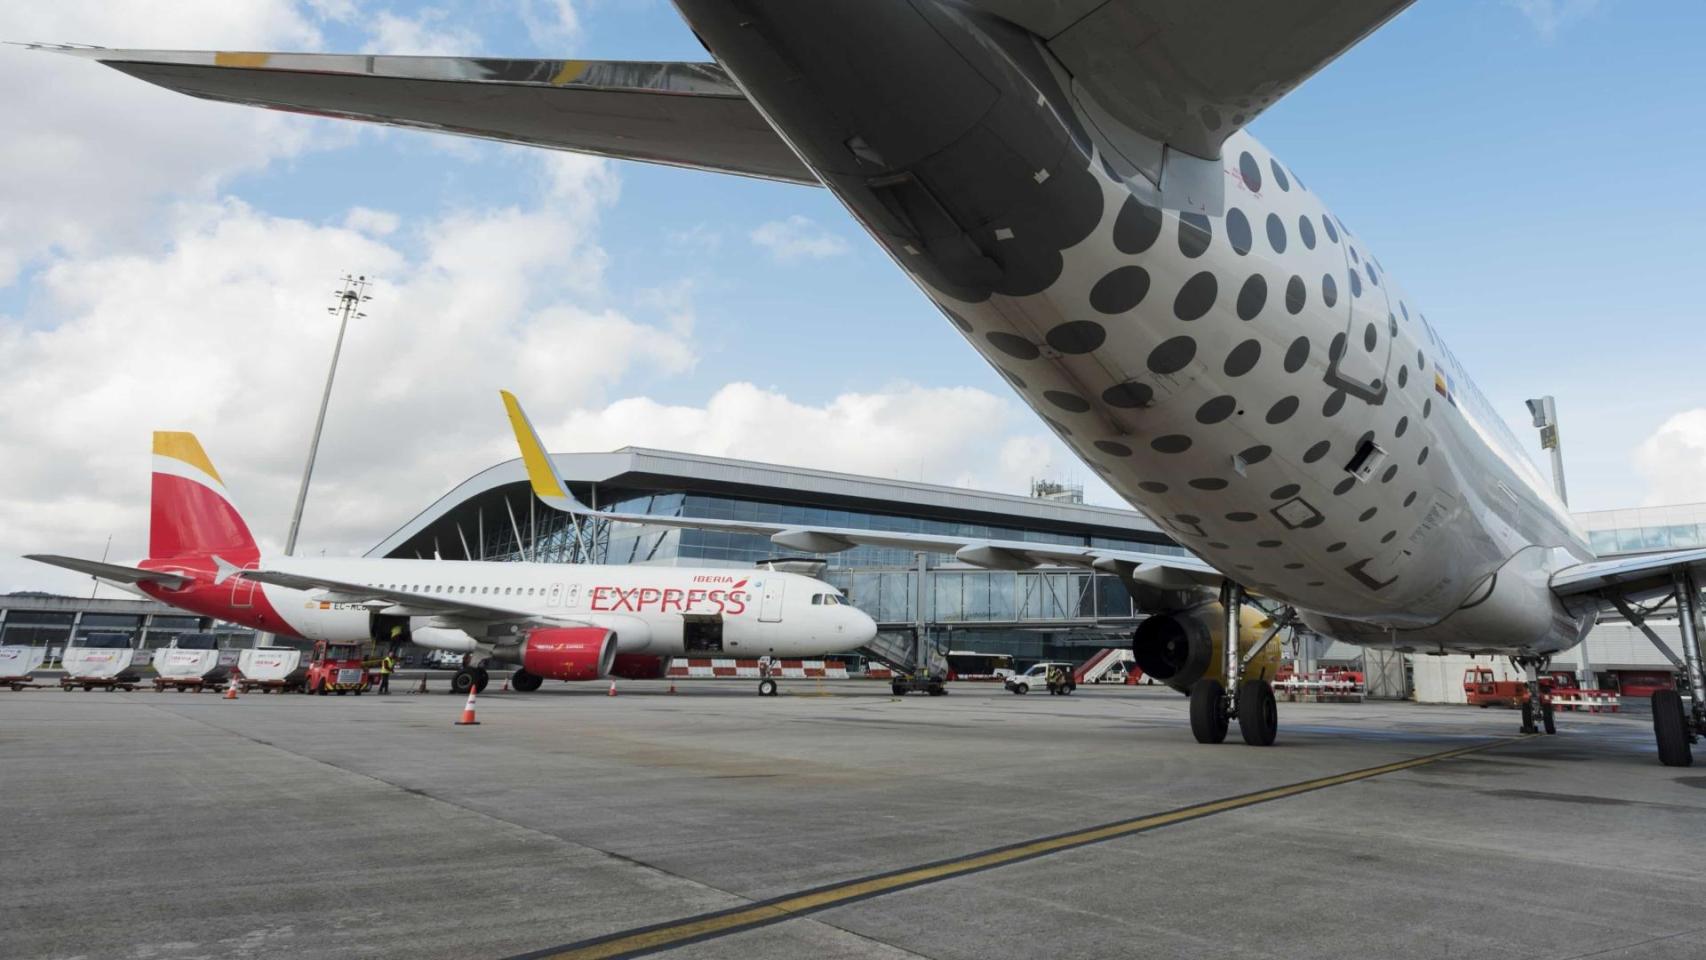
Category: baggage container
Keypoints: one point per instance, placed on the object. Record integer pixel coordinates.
(193, 661)
(270, 668)
(17, 663)
(108, 660)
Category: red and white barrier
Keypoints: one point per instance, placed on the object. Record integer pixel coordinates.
(1320, 687)
(696, 668)
(1587, 701)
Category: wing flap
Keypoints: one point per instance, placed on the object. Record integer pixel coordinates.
(679, 114)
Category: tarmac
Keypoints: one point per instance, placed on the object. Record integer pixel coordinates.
(834, 821)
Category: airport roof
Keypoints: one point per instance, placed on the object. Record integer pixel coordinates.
(638, 468)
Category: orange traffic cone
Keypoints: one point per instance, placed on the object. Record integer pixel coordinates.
(672, 686)
(231, 688)
(506, 684)
(612, 688)
(468, 712)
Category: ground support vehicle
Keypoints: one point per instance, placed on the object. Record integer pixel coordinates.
(336, 668)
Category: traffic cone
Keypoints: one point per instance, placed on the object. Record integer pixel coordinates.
(506, 684)
(468, 712)
(231, 688)
(422, 687)
(612, 688)
(672, 686)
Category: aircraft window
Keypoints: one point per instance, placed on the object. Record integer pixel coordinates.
(817, 599)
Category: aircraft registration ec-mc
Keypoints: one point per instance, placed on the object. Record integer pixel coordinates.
(1071, 183)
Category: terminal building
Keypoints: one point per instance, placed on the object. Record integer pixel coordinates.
(1030, 615)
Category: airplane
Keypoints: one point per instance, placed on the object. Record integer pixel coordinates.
(551, 621)
(1072, 184)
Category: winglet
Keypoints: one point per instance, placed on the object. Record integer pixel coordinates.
(547, 486)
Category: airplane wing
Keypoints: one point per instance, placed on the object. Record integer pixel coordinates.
(1186, 72)
(117, 573)
(1154, 568)
(1626, 578)
(399, 602)
(679, 114)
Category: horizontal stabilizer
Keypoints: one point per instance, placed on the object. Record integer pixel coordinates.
(117, 573)
(679, 114)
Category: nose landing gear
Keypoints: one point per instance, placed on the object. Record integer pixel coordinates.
(1250, 702)
(1537, 709)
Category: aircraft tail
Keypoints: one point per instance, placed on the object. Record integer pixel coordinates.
(191, 514)
(541, 472)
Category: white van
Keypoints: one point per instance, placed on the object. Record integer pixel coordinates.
(1037, 676)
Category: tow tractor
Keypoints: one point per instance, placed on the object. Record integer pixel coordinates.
(336, 668)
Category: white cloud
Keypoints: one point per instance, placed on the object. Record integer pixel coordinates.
(1550, 16)
(85, 165)
(225, 333)
(1673, 460)
(430, 32)
(798, 238)
(376, 223)
(551, 24)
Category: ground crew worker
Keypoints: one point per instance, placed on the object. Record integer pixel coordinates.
(396, 638)
(386, 665)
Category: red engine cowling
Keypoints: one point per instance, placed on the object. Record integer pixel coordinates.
(639, 666)
(569, 653)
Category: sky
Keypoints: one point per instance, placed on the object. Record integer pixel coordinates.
(1530, 169)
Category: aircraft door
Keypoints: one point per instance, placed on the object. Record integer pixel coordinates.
(770, 608)
(572, 596)
(1358, 366)
(554, 597)
(243, 590)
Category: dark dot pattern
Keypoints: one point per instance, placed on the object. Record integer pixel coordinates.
(1172, 355)
(1403, 425)
(1403, 375)
(1329, 290)
(1280, 179)
(1268, 544)
(1276, 233)
(1209, 483)
(1195, 234)
(1238, 231)
(1389, 535)
(1250, 171)
(1171, 443)
(1285, 493)
(1296, 295)
(1336, 547)
(1070, 402)
(1255, 454)
(1370, 337)
(1335, 403)
(1216, 410)
(1241, 517)
(1356, 284)
(1196, 297)
(1297, 355)
(1422, 457)
(1137, 226)
(1410, 499)
(1120, 290)
(1317, 451)
(1306, 232)
(1368, 514)
(1243, 358)
(1390, 472)
(1113, 449)
(1327, 225)
(1282, 411)
(1130, 395)
(959, 321)
(1253, 297)
(1077, 336)
(1014, 346)
(1152, 486)
(1344, 486)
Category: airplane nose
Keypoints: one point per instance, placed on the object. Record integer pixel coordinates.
(865, 629)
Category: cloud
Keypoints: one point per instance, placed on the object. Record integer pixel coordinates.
(1550, 16)
(429, 33)
(797, 238)
(1673, 460)
(959, 436)
(224, 332)
(551, 24)
(96, 182)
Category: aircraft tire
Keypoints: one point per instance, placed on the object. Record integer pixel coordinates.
(481, 678)
(767, 687)
(1547, 722)
(462, 682)
(1670, 729)
(1258, 717)
(523, 682)
(1528, 718)
(1208, 718)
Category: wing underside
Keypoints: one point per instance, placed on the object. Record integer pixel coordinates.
(674, 113)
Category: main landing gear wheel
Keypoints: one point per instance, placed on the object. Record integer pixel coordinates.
(1670, 728)
(1208, 711)
(1528, 717)
(1258, 717)
(767, 687)
(524, 682)
(481, 678)
(1546, 721)
(463, 682)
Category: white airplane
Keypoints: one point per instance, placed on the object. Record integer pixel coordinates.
(553, 621)
(1071, 183)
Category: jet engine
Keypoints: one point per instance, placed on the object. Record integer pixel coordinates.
(1181, 648)
(440, 638)
(563, 653)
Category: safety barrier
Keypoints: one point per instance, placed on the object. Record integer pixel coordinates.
(1319, 688)
(692, 668)
(1587, 701)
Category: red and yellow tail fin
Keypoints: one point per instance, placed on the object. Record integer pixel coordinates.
(191, 514)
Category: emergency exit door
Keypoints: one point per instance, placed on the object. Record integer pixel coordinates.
(770, 608)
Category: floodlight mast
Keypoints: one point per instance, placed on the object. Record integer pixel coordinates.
(348, 304)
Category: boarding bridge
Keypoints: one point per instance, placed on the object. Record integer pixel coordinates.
(923, 669)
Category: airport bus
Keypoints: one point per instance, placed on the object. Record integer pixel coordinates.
(971, 665)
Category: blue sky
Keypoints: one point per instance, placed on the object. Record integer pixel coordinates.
(1530, 170)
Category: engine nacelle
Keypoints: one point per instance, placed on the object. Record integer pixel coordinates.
(440, 638)
(566, 653)
(1181, 648)
(638, 666)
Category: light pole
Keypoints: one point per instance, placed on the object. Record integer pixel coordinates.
(349, 300)
(1545, 414)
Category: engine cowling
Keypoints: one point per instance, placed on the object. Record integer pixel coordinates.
(569, 653)
(1181, 648)
(440, 638)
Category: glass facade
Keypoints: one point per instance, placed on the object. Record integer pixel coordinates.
(1646, 539)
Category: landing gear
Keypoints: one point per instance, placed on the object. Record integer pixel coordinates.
(1537, 709)
(767, 687)
(1670, 728)
(1208, 711)
(463, 681)
(524, 682)
(1258, 717)
(481, 678)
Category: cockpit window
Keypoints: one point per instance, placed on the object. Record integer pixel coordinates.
(817, 599)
